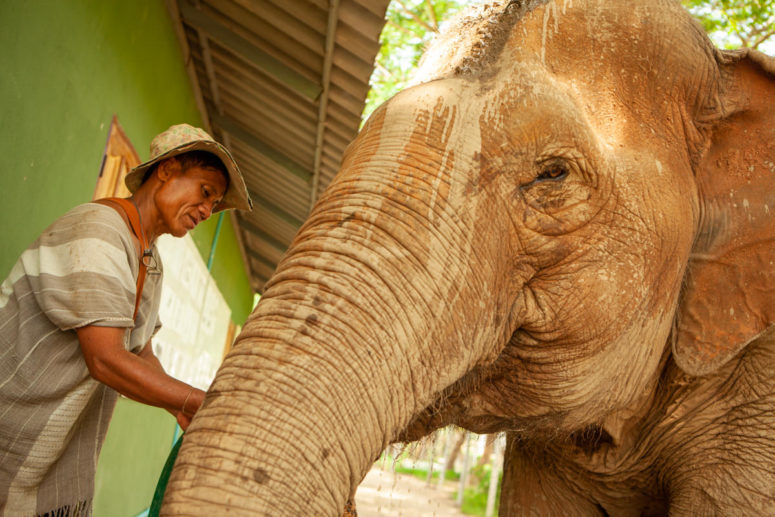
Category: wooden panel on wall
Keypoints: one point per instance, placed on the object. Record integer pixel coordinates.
(120, 157)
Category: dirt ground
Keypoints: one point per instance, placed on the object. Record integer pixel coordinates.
(384, 494)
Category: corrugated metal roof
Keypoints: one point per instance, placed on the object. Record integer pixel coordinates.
(282, 84)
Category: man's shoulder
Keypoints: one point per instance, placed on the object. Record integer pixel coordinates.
(93, 209)
(88, 220)
(92, 215)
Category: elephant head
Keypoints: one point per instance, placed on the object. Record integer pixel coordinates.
(572, 196)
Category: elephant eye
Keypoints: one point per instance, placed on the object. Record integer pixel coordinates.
(562, 194)
(553, 171)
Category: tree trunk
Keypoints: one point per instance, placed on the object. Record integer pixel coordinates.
(483, 460)
(488, 447)
(455, 451)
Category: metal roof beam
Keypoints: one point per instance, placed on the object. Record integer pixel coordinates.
(249, 52)
(174, 9)
(333, 18)
(261, 234)
(260, 258)
(276, 210)
(234, 220)
(228, 125)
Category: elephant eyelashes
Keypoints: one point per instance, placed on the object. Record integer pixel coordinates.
(553, 171)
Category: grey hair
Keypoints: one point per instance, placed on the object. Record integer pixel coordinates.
(484, 30)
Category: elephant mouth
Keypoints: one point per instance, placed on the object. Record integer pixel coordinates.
(461, 404)
(462, 411)
(490, 399)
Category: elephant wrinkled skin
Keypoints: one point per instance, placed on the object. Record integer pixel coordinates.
(565, 231)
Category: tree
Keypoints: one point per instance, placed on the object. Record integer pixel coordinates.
(736, 23)
(455, 451)
(489, 443)
(410, 26)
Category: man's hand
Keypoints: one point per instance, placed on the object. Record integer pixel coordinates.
(192, 403)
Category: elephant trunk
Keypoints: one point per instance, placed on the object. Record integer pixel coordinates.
(376, 309)
(297, 409)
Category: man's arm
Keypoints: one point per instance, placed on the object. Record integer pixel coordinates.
(147, 354)
(140, 378)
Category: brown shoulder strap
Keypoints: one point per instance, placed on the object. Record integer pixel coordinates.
(133, 222)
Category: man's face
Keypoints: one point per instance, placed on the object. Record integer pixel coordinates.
(188, 198)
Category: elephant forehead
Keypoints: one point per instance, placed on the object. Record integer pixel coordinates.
(485, 37)
(600, 44)
(520, 94)
(474, 40)
(428, 131)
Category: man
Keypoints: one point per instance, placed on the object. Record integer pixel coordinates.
(77, 314)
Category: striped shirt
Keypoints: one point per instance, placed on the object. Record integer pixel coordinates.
(82, 270)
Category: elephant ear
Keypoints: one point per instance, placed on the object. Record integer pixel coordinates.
(727, 299)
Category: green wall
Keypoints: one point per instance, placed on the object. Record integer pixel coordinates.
(138, 442)
(227, 268)
(67, 67)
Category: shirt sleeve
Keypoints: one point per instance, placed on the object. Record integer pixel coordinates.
(157, 327)
(82, 269)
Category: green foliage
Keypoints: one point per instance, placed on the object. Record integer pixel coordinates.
(475, 503)
(475, 498)
(399, 460)
(451, 475)
(410, 25)
(736, 23)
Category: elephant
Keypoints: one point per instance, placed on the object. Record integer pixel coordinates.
(564, 230)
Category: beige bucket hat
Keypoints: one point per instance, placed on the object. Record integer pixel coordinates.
(182, 138)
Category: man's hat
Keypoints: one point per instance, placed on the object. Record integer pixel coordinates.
(183, 138)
